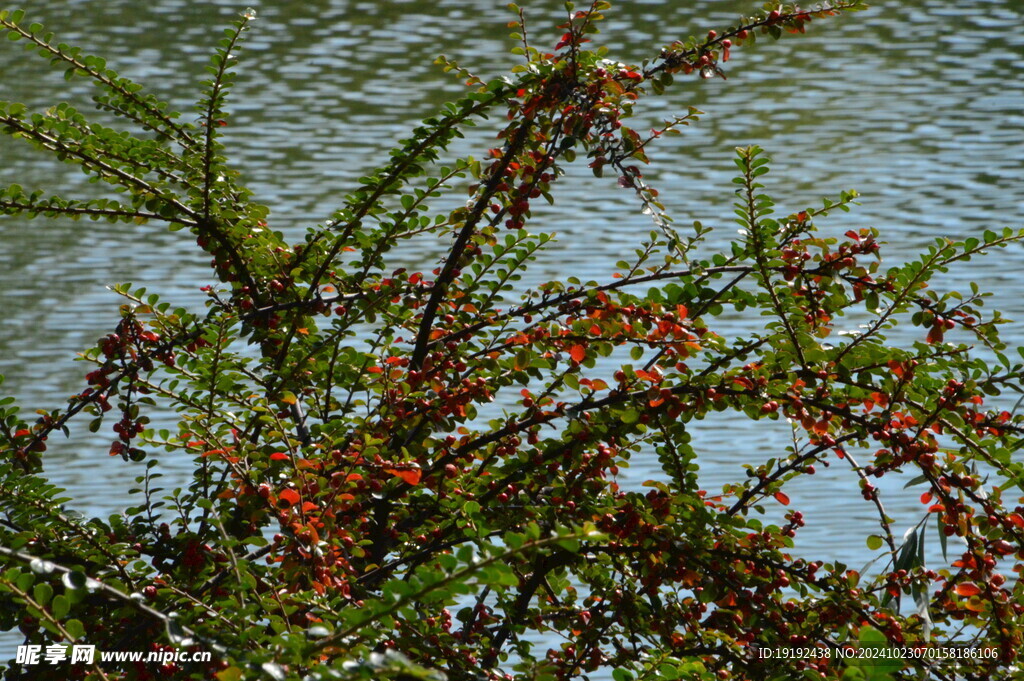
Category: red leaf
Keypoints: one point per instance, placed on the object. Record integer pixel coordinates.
(278, 456)
(1016, 519)
(289, 496)
(782, 498)
(411, 476)
(926, 498)
(578, 353)
(968, 589)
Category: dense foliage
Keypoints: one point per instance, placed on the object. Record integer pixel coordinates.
(405, 474)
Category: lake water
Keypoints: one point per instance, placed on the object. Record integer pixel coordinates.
(918, 105)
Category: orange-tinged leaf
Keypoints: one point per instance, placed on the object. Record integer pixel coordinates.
(290, 496)
(782, 498)
(288, 397)
(1016, 519)
(968, 589)
(975, 605)
(278, 456)
(411, 476)
(578, 353)
(727, 601)
(926, 498)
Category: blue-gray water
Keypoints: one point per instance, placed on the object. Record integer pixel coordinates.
(918, 105)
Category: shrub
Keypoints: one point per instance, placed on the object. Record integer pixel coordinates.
(402, 474)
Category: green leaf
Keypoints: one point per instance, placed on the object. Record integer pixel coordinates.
(60, 607)
(42, 592)
(75, 628)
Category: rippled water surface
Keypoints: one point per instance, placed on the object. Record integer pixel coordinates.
(918, 105)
